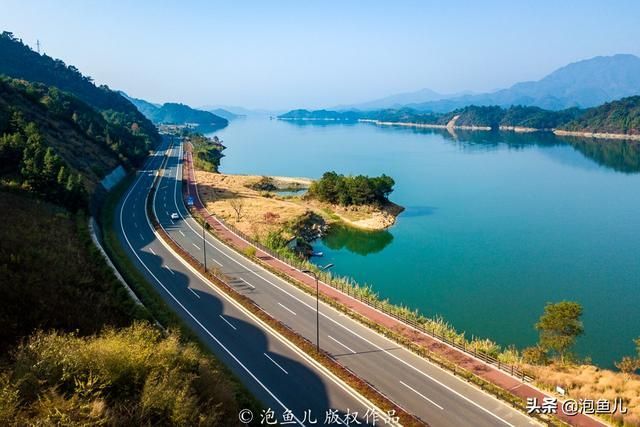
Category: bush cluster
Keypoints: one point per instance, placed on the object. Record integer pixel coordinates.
(352, 190)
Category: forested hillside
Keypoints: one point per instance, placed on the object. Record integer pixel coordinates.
(54, 144)
(19, 61)
(74, 348)
(179, 114)
(621, 116)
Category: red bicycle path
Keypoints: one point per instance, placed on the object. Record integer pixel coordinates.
(483, 370)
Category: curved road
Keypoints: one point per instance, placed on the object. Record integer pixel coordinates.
(436, 396)
(280, 376)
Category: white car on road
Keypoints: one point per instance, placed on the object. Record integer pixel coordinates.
(175, 216)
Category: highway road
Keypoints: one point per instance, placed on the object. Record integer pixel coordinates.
(420, 387)
(415, 384)
(280, 376)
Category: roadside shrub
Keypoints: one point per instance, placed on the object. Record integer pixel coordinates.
(535, 355)
(250, 251)
(133, 376)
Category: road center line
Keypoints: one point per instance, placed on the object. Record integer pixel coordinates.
(249, 372)
(288, 309)
(226, 321)
(422, 395)
(276, 363)
(341, 344)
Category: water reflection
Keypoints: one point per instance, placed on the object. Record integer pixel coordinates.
(357, 241)
(619, 155)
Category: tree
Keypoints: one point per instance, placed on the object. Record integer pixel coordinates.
(237, 204)
(560, 326)
(628, 365)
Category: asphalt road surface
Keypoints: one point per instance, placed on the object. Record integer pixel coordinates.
(277, 374)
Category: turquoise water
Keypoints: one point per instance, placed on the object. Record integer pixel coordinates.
(496, 225)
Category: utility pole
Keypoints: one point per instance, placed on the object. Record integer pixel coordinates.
(315, 276)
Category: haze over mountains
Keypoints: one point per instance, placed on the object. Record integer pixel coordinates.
(176, 113)
(585, 83)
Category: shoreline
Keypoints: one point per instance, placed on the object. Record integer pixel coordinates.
(219, 190)
(424, 125)
(517, 129)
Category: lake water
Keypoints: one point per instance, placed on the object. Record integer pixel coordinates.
(496, 224)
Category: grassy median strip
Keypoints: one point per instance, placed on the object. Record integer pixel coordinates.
(153, 302)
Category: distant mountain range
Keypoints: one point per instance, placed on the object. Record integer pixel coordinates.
(400, 100)
(581, 84)
(175, 113)
(240, 111)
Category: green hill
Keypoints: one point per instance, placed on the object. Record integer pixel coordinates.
(19, 61)
(177, 114)
(44, 130)
(174, 113)
(620, 117)
(320, 115)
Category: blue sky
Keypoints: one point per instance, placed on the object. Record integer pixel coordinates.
(281, 55)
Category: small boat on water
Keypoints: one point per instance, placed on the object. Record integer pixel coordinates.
(318, 254)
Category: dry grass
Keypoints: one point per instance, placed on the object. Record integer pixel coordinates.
(591, 382)
(218, 191)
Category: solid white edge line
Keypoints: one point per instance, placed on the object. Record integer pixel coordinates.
(475, 389)
(233, 356)
(341, 344)
(421, 395)
(336, 380)
(276, 363)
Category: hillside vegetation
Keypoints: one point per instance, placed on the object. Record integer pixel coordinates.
(20, 62)
(50, 275)
(178, 114)
(74, 348)
(131, 376)
(617, 117)
(36, 120)
(621, 116)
